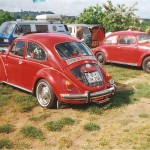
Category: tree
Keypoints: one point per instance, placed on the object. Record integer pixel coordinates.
(113, 18)
(119, 17)
(5, 16)
(91, 15)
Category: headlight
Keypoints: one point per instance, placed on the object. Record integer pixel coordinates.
(6, 40)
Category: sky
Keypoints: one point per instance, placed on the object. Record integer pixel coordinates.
(71, 7)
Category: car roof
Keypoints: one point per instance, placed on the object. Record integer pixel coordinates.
(49, 38)
(126, 33)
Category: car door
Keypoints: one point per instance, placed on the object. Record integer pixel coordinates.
(110, 46)
(127, 49)
(35, 60)
(15, 60)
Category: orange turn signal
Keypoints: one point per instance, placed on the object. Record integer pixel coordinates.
(69, 86)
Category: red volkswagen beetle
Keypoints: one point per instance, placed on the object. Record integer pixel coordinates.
(125, 47)
(56, 68)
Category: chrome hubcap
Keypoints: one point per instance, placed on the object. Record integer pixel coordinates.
(148, 64)
(43, 94)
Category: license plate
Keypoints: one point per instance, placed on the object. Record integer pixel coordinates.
(93, 77)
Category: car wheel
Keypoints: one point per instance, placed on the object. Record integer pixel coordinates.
(45, 95)
(146, 64)
(101, 58)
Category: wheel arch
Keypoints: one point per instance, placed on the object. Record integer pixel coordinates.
(140, 62)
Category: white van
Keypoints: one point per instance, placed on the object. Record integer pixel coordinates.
(87, 38)
(45, 23)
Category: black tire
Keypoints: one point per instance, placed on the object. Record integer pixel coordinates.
(146, 64)
(45, 95)
(101, 58)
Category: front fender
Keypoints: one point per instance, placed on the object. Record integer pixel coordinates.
(3, 73)
(100, 49)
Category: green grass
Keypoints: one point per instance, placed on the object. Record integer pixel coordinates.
(144, 115)
(6, 144)
(6, 128)
(5, 95)
(40, 118)
(58, 125)
(32, 132)
(25, 102)
(91, 127)
(122, 72)
(143, 90)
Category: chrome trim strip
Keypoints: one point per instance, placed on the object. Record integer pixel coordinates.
(19, 87)
(88, 95)
(119, 62)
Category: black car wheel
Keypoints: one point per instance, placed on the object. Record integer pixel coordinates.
(101, 58)
(146, 64)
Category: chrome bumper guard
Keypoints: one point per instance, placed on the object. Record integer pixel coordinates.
(88, 96)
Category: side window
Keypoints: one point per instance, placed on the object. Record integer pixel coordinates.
(70, 29)
(42, 28)
(36, 52)
(127, 40)
(111, 40)
(25, 29)
(18, 48)
(122, 40)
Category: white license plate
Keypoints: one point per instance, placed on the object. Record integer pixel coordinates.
(93, 77)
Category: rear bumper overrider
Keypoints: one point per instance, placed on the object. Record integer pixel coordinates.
(87, 97)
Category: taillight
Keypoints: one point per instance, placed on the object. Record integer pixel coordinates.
(69, 86)
(109, 78)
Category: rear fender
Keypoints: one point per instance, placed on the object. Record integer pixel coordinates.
(55, 78)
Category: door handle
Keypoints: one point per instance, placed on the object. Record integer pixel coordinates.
(20, 62)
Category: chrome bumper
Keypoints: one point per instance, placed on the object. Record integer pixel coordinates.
(89, 96)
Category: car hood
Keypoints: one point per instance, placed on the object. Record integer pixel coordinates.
(4, 35)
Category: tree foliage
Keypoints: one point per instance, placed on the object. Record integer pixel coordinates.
(5, 16)
(113, 18)
(91, 15)
(119, 17)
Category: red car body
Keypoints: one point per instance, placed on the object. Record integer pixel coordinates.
(50, 66)
(125, 47)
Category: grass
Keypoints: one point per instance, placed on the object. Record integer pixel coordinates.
(58, 125)
(32, 132)
(25, 102)
(6, 144)
(144, 115)
(65, 142)
(6, 128)
(110, 131)
(91, 127)
(40, 118)
(143, 90)
(122, 72)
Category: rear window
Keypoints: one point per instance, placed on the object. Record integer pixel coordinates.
(72, 49)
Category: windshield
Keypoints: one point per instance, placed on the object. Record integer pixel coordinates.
(72, 49)
(7, 27)
(142, 38)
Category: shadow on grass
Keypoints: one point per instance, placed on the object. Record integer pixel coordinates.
(123, 96)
